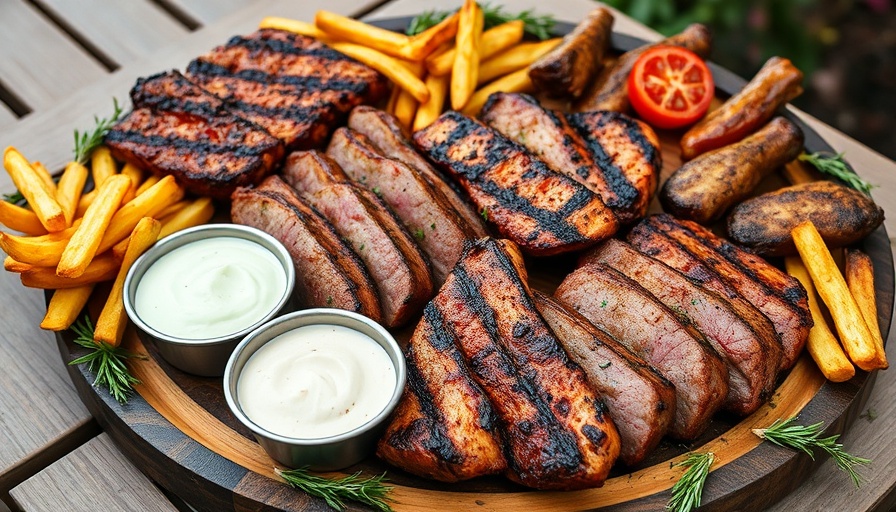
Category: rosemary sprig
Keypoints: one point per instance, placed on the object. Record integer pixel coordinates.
(799, 437)
(369, 491)
(14, 198)
(86, 142)
(688, 490)
(837, 167)
(539, 26)
(106, 361)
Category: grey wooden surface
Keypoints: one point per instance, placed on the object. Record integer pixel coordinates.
(63, 61)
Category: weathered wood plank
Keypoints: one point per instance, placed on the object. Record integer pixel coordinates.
(121, 31)
(205, 12)
(7, 117)
(95, 476)
(38, 61)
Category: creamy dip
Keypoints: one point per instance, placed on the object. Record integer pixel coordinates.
(316, 381)
(210, 288)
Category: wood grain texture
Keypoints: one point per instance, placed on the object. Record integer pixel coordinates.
(93, 477)
(7, 116)
(205, 12)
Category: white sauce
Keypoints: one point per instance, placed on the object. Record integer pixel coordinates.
(210, 288)
(316, 381)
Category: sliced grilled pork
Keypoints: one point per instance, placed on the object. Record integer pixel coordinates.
(556, 432)
(177, 128)
(688, 247)
(541, 210)
(395, 263)
(639, 399)
(632, 315)
(328, 274)
(390, 139)
(444, 426)
(427, 215)
(628, 152)
(753, 357)
(295, 87)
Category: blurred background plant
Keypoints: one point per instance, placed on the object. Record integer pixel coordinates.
(846, 49)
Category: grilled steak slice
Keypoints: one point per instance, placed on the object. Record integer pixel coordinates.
(556, 432)
(328, 274)
(684, 246)
(395, 263)
(179, 129)
(427, 216)
(634, 316)
(753, 357)
(388, 137)
(295, 87)
(638, 398)
(628, 153)
(444, 427)
(543, 211)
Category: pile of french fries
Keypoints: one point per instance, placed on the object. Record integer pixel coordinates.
(71, 240)
(454, 63)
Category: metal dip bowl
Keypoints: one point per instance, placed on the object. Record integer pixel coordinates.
(324, 453)
(205, 356)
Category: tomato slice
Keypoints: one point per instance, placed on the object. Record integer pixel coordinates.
(670, 87)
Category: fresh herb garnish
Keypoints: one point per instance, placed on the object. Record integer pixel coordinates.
(484, 213)
(106, 361)
(687, 491)
(420, 234)
(14, 198)
(799, 437)
(837, 167)
(369, 491)
(539, 26)
(86, 142)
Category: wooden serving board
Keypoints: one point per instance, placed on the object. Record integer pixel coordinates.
(178, 430)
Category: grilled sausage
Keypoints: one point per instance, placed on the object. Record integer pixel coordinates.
(569, 68)
(608, 91)
(842, 216)
(389, 138)
(328, 274)
(638, 398)
(703, 189)
(778, 82)
(634, 316)
(541, 210)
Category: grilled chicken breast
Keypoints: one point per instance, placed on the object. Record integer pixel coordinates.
(388, 137)
(177, 128)
(444, 427)
(639, 399)
(688, 248)
(295, 87)
(328, 274)
(397, 266)
(634, 316)
(753, 356)
(432, 221)
(543, 211)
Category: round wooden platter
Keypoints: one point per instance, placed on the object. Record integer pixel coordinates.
(178, 431)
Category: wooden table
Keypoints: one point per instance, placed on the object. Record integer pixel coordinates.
(61, 62)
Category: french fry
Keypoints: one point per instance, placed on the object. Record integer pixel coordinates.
(516, 58)
(34, 190)
(86, 240)
(405, 108)
(465, 69)
(427, 42)
(389, 66)
(822, 344)
(147, 204)
(102, 165)
(12, 265)
(198, 212)
(136, 176)
(147, 183)
(518, 81)
(851, 327)
(65, 306)
(69, 189)
(860, 281)
(494, 41)
(20, 219)
(798, 172)
(84, 203)
(171, 209)
(393, 97)
(429, 111)
(40, 251)
(45, 176)
(113, 319)
(103, 268)
(354, 31)
(295, 26)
